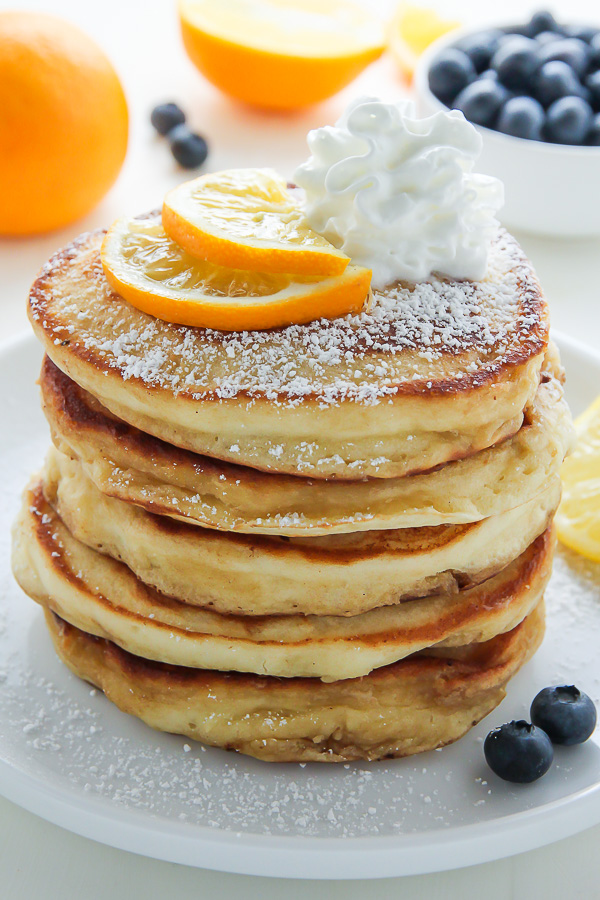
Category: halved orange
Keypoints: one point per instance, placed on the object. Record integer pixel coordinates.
(154, 274)
(247, 219)
(280, 54)
(578, 516)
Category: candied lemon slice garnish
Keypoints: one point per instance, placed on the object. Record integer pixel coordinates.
(247, 219)
(157, 276)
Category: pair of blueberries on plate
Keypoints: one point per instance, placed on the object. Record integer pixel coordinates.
(539, 81)
(523, 751)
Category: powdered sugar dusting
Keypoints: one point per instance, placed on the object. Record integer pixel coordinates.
(411, 334)
(59, 732)
(83, 745)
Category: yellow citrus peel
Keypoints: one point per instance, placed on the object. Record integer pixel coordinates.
(578, 517)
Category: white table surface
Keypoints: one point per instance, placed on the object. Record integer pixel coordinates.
(39, 860)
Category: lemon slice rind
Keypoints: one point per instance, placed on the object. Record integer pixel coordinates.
(247, 219)
(578, 516)
(150, 271)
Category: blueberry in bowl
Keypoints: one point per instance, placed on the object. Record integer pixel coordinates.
(556, 79)
(592, 83)
(594, 137)
(569, 121)
(532, 91)
(595, 51)
(522, 117)
(541, 60)
(482, 100)
(572, 51)
(585, 32)
(451, 73)
(480, 47)
(516, 61)
(542, 22)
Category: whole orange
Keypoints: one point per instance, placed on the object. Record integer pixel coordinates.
(63, 123)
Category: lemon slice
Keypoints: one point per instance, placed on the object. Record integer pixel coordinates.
(280, 54)
(247, 219)
(411, 31)
(578, 516)
(154, 274)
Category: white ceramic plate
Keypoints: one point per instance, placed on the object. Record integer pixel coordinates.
(70, 756)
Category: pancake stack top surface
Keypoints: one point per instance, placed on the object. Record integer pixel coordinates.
(325, 541)
(432, 372)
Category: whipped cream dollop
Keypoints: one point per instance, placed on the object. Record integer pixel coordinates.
(397, 193)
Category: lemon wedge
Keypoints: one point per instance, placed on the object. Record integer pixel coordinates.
(154, 274)
(280, 54)
(247, 219)
(578, 516)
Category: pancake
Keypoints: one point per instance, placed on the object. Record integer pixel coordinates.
(130, 465)
(258, 575)
(415, 705)
(431, 373)
(103, 597)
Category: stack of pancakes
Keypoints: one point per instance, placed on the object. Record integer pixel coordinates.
(323, 542)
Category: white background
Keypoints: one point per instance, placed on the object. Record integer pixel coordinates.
(38, 860)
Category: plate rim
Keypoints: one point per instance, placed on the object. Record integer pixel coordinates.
(291, 857)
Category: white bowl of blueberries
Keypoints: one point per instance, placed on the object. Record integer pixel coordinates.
(533, 93)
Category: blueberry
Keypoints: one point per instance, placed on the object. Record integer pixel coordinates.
(450, 73)
(489, 74)
(547, 37)
(574, 52)
(594, 60)
(521, 30)
(515, 61)
(592, 82)
(480, 47)
(481, 101)
(166, 116)
(555, 79)
(565, 714)
(583, 32)
(189, 149)
(518, 752)
(568, 121)
(522, 117)
(593, 137)
(542, 21)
